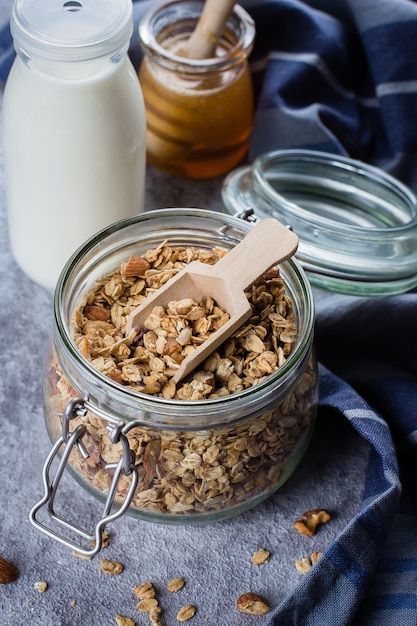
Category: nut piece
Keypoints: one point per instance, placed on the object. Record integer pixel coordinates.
(305, 564)
(309, 521)
(252, 604)
(94, 312)
(186, 612)
(111, 567)
(260, 557)
(8, 572)
(315, 557)
(41, 586)
(136, 266)
(175, 584)
(121, 620)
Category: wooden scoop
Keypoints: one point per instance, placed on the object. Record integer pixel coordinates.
(203, 41)
(267, 244)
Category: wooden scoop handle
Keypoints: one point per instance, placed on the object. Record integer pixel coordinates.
(203, 41)
(268, 243)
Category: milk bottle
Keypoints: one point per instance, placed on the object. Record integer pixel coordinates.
(74, 129)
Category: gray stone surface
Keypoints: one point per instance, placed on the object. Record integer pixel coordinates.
(214, 559)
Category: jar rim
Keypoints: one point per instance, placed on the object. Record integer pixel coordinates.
(357, 225)
(71, 30)
(240, 21)
(248, 400)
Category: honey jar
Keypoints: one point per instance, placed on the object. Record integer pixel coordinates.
(191, 457)
(198, 111)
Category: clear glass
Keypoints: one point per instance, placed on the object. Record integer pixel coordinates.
(197, 460)
(71, 30)
(73, 130)
(356, 224)
(199, 112)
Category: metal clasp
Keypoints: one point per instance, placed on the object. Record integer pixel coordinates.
(247, 215)
(63, 446)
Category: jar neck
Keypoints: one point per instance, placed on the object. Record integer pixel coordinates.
(165, 30)
(75, 70)
(89, 264)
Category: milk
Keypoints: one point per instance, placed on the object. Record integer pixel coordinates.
(74, 154)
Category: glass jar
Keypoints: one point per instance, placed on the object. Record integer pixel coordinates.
(199, 111)
(175, 461)
(356, 224)
(73, 129)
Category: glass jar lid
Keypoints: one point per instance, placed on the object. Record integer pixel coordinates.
(357, 225)
(71, 30)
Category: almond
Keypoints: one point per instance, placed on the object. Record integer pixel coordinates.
(136, 266)
(252, 604)
(8, 572)
(97, 312)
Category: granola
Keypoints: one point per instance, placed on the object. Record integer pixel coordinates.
(261, 556)
(187, 472)
(144, 591)
(111, 567)
(307, 524)
(176, 584)
(186, 612)
(122, 620)
(305, 564)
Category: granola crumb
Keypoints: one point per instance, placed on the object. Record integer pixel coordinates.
(186, 612)
(252, 604)
(305, 564)
(105, 535)
(176, 584)
(80, 555)
(144, 591)
(155, 616)
(41, 586)
(146, 605)
(261, 556)
(307, 524)
(111, 567)
(121, 620)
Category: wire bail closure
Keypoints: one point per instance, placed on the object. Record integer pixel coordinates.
(78, 407)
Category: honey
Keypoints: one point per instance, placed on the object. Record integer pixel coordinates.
(198, 112)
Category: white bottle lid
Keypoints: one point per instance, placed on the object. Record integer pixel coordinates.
(71, 30)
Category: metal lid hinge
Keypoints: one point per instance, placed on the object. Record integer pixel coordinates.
(79, 407)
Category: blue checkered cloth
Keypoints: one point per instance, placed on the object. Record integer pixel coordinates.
(368, 575)
(347, 83)
(347, 86)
